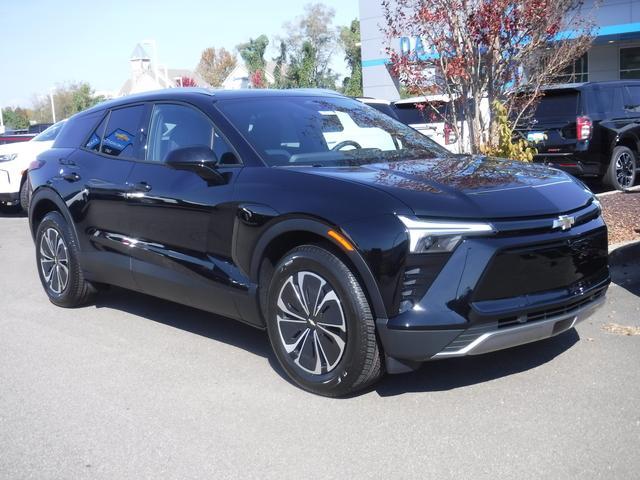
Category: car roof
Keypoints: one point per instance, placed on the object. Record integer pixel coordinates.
(577, 86)
(424, 99)
(191, 93)
(377, 101)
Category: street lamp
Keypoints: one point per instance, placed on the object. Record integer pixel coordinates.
(53, 107)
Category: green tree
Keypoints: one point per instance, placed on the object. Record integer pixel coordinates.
(68, 99)
(216, 65)
(279, 72)
(350, 42)
(15, 118)
(311, 43)
(252, 53)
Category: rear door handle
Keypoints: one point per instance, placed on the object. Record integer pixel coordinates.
(71, 177)
(141, 187)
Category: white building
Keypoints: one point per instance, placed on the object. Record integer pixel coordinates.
(615, 53)
(240, 77)
(146, 76)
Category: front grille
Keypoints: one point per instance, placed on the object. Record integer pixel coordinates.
(551, 266)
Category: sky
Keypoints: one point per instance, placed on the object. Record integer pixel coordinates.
(45, 43)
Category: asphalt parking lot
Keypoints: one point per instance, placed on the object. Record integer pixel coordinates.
(135, 387)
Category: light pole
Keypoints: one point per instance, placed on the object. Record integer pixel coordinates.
(53, 107)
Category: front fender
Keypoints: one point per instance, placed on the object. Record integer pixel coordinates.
(273, 229)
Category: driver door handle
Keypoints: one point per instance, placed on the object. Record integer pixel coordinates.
(71, 177)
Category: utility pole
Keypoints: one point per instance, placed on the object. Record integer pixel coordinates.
(53, 107)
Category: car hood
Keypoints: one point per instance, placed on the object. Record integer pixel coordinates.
(470, 186)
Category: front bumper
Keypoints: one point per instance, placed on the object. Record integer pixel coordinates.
(476, 305)
(578, 164)
(11, 198)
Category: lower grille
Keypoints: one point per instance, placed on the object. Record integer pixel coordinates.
(540, 317)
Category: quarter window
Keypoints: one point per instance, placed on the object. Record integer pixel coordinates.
(122, 135)
(180, 126)
(630, 63)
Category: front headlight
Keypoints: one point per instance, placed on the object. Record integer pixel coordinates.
(7, 157)
(437, 236)
(597, 203)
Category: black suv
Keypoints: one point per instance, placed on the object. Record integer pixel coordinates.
(359, 244)
(589, 130)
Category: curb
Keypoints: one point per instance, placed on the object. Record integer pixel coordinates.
(625, 252)
(613, 192)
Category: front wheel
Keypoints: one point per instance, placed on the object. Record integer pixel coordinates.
(621, 173)
(320, 324)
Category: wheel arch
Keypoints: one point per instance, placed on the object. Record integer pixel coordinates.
(629, 140)
(43, 201)
(288, 234)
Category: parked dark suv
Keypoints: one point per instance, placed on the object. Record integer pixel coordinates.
(589, 130)
(357, 243)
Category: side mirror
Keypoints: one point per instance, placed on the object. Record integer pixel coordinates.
(199, 160)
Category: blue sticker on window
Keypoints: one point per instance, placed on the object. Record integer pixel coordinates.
(93, 142)
(118, 140)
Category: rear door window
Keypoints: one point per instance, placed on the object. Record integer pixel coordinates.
(122, 136)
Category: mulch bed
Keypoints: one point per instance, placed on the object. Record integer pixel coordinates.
(621, 211)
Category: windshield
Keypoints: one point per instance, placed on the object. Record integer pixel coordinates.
(49, 134)
(319, 131)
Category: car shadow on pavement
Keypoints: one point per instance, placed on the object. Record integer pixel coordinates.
(625, 268)
(198, 322)
(443, 375)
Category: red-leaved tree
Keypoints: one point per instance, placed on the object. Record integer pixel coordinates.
(187, 82)
(482, 51)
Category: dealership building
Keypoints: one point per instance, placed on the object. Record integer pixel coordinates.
(614, 55)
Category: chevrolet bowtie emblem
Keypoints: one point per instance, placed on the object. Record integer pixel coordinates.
(564, 222)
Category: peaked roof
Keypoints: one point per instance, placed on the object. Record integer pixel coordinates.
(139, 53)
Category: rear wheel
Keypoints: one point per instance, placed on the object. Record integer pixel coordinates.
(58, 263)
(320, 324)
(621, 173)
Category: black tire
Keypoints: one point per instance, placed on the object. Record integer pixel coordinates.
(24, 196)
(621, 173)
(343, 361)
(52, 256)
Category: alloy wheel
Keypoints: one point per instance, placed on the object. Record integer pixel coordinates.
(625, 170)
(311, 323)
(54, 261)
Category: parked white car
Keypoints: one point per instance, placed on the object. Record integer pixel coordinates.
(339, 127)
(14, 163)
(426, 113)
